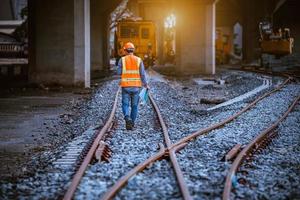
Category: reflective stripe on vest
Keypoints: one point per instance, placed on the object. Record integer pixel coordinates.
(131, 79)
(130, 71)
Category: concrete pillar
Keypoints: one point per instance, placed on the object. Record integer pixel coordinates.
(51, 41)
(195, 32)
(253, 14)
(59, 40)
(210, 38)
(96, 36)
(82, 60)
(59, 43)
(100, 13)
(31, 38)
(160, 41)
(105, 45)
(99, 37)
(250, 34)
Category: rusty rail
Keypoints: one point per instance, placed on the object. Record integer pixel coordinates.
(182, 143)
(169, 151)
(249, 148)
(163, 152)
(77, 177)
(123, 180)
(140, 167)
(220, 124)
(183, 187)
(233, 152)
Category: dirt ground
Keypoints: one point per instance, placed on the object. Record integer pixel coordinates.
(26, 117)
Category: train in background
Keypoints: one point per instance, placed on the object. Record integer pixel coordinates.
(142, 34)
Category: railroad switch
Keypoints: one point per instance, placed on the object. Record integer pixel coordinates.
(103, 152)
(232, 153)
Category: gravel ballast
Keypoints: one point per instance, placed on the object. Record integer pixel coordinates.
(129, 149)
(49, 182)
(275, 171)
(205, 176)
(201, 160)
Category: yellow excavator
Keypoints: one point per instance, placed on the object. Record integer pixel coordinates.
(278, 43)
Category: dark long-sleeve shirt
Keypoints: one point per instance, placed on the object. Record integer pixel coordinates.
(141, 68)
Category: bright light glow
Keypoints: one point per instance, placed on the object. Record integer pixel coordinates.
(170, 21)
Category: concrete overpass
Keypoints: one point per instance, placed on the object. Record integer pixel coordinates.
(69, 39)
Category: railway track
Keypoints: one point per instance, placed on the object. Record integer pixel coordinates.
(166, 151)
(253, 146)
(100, 137)
(89, 156)
(187, 139)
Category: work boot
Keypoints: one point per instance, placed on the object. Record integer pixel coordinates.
(129, 124)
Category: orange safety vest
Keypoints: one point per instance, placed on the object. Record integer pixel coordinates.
(131, 71)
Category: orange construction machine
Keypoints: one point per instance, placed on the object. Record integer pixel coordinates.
(277, 43)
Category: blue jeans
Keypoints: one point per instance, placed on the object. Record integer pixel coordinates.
(130, 95)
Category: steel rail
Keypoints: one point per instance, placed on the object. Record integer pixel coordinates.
(182, 143)
(122, 181)
(222, 123)
(77, 177)
(249, 148)
(140, 167)
(179, 175)
(161, 121)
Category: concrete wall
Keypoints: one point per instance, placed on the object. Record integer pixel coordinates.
(53, 43)
(60, 39)
(254, 12)
(82, 58)
(96, 36)
(195, 37)
(100, 12)
(228, 13)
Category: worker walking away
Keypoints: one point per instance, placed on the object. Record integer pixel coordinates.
(133, 77)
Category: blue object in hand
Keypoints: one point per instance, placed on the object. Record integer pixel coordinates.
(144, 95)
